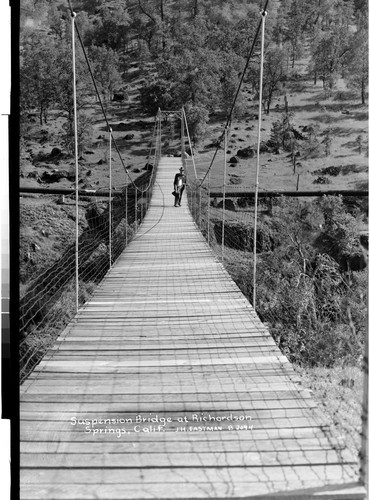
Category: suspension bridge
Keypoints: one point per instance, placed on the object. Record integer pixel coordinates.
(166, 384)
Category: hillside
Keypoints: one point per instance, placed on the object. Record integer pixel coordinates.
(150, 54)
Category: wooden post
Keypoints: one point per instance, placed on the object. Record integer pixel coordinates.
(160, 132)
(258, 161)
(223, 197)
(364, 452)
(182, 139)
(76, 150)
(110, 198)
(209, 206)
(126, 210)
(200, 208)
(136, 224)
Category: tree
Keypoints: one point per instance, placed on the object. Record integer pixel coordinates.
(340, 234)
(156, 94)
(293, 30)
(274, 74)
(110, 25)
(84, 133)
(197, 117)
(105, 62)
(39, 74)
(282, 132)
(328, 55)
(357, 67)
(328, 140)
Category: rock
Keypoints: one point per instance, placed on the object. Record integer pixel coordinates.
(88, 173)
(264, 148)
(55, 152)
(120, 126)
(234, 160)
(334, 171)
(240, 236)
(308, 129)
(321, 180)
(55, 176)
(345, 112)
(34, 247)
(298, 135)
(33, 175)
(100, 162)
(243, 202)
(229, 205)
(128, 137)
(247, 152)
(119, 97)
(136, 170)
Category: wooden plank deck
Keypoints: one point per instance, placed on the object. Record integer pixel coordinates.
(169, 337)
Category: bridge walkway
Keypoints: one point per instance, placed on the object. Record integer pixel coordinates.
(168, 336)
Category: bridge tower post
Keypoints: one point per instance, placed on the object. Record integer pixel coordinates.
(73, 14)
(364, 451)
(160, 132)
(182, 137)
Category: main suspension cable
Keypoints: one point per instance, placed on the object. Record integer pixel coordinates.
(73, 14)
(228, 121)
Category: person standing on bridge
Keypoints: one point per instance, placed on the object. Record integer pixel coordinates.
(179, 184)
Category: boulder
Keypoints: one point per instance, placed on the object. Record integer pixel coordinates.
(33, 175)
(55, 176)
(264, 148)
(240, 236)
(119, 97)
(247, 152)
(321, 179)
(234, 160)
(229, 205)
(128, 137)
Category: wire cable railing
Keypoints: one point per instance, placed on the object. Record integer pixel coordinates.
(102, 230)
(283, 254)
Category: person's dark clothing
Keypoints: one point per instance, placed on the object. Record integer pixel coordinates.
(179, 186)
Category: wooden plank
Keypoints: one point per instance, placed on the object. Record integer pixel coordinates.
(190, 459)
(144, 447)
(58, 434)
